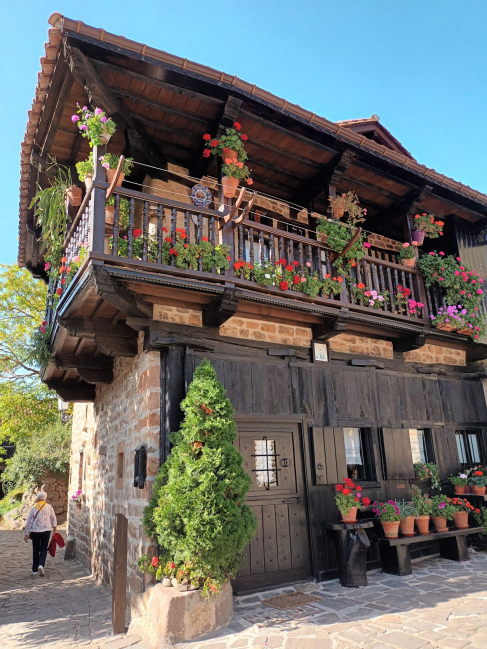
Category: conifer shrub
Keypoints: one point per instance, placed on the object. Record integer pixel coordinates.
(198, 514)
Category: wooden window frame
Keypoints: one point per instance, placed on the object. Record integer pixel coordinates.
(428, 441)
(479, 434)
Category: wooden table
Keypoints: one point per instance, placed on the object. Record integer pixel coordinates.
(396, 558)
(352, 544)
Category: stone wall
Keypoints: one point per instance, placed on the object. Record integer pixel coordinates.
(350, 344)
(436, 354)
(57, 496)
(271, 332)
(178, 315)
(105, 435)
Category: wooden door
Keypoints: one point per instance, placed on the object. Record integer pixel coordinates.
(279, 552)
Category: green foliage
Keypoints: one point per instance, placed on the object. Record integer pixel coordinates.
(427, 224)
(111, 159)
(27, 408)
(40, 346)
(346, 203)
(124, 211)
(421, 502)
(428, 470)
(47, 452)
(480, 517)
(22, 305)
(94, 125)
(442, 506)
(198, 514)
(11, 501)
(51, 214)
(338, 235)
(85, 167)
(406, 509)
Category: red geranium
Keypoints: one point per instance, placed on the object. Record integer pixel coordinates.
(365, 501)
(137, 233)
(167, 239)
(155, 561)
(59, 291)
(289, 268)
(339, 487)
(296, 279)
(295, 263)
(356, 499)
(206, 137)
(282, 261)
(172, 565)
(346, 492)
(358, 488)
(244, 137)
(283, 286)
(205, 238)
(206, 153)
(173, 252)
(479, 473)
(237, 125)
(250, 181)
(214, 143)
(360, 285)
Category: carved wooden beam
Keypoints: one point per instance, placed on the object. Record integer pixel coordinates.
(118, 296)
(222, 309)
(73, 391)
(226, 119)
(96, 376)
(70, 362)
(83, 327)
(331, 326)
(477, 352)
(330, 174)
(99, 93)
(409, 342)
(404, 206)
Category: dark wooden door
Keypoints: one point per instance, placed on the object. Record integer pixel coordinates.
(279, 551)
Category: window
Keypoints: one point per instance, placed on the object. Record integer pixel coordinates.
(469, 447)
(119, 465)
(80, 472)
(265, 463)
(358, 453)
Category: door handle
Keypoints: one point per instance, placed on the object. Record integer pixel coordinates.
(292, 501)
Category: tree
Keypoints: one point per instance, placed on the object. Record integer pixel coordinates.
(198, 513)
(27, 408)
(22, 306)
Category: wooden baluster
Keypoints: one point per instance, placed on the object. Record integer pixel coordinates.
(397, 283)
(241, 247)
(309, 257)
(375, 278)
(251, 247)
(211, 230)
(174, 220)
(145, 230)
(403, 282)
(116, 219)
(199, 237)
(261, 248)
(290, 251)
(301, 257)
(271, 249)
(390, 287)
(88, 228)
(429, 302)
(160, 216)
(187, 227)
(281, 248)
(359, 280)
(130, 233)
(383, 287)
(327, 262)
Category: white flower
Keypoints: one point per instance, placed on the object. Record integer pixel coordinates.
(267, 276)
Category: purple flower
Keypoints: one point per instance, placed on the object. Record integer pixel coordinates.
(98, 111)
(106, 165)
(358, 494)
(103, 118)
(75, 118)
(83, 127)
(85, 108)
(463, 476)
(441, 505)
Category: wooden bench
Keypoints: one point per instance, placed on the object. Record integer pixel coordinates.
(396, 558)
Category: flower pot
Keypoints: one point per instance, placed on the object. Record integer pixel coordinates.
(406, 526)
(105, 136)
(418, 236)
(466, 331)
(391, 529)
(440, 523)
(111, 176)
(338, 212)
(74, 195)
(459, 489)
(109, 214)
(229, 184)
(230, 153)
(460, 519)
(410, 263)
(468, 489)
(351, 517)
(423, 524)
(478, 491)
(445, 326)
(88, 180)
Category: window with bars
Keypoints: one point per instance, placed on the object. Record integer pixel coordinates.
(469, 447)
(266, 470)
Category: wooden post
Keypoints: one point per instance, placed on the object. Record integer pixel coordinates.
(97, 203)
(119, 590)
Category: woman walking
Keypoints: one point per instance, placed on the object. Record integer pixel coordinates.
(40, 523)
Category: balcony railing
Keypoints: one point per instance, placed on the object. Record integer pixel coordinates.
(159, 217)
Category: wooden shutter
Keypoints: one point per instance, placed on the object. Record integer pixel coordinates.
(329, 455)
(397, 456)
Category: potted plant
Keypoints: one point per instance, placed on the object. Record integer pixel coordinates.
(85, 171)
(110, 163)
(389, 516)
(348, 500)
(427, 471)
(460, 517)
(230, 145)
(407, 512)
(426, 226)
(77, 498)
(406, 254)
(442, 510)
(123, 218)
(459, 482)
(233, 171)
(450, 318)
(346, 203)
(478, 483)
(422, 504)
(404, 301)
(338, 234)
(94, 125)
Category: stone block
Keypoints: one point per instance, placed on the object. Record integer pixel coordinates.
(70, 549)
(163, 616)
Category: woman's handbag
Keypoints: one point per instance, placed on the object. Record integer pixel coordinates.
(30, 535)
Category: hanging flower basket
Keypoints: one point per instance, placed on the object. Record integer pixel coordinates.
(74, 195)
(88, 180)
(229, 184)
(418, 236)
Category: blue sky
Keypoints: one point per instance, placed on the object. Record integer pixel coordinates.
(419, 64)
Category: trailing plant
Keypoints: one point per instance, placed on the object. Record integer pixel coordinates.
(458, 480)
(348, 495)
(387, 512)
(232, 140)
(94, 125)
(85, 167)
(338, 236)
(40, 345)
(443, 506)
(111, 160)
(347, 203)
(427, 224)
(50, 212)
(406, 509)
(424, 470)
(198, 514)
(421, 502)
(403, 301)
(244, 269)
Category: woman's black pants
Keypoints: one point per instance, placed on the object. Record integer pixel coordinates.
(40, 541)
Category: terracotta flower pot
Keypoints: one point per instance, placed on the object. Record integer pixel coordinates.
(410, 263)
(351, 517)
(338, 212)
(111, 176)
(459, 489)
(418, 236)
(230, 153)
(74, 195)
(478, 491)
(440, 523)
(423, 524)
(88, 180)
(230, 184)
(78, 505)
(109, 214)
(105, 136)
(406, 526)
(445, 326)
(460, 520)
(391, 529)
(468, 489)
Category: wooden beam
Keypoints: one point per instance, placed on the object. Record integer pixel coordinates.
(141, 146)
(404, 206)
(74, 391)
(118, 296)
(159, 105)
(225, 120)
(331, 326)
(328, 175)
(223, 308)
(118, 347)
(410, 342)
(71, 362)
(61, 99)
(95, 376)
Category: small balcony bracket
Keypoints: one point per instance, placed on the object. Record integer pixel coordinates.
(331, 326)
(408, 343)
